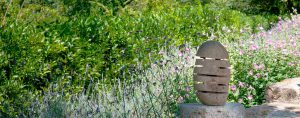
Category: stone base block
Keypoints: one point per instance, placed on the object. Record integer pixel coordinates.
(286, 91)
(229, 110)
(274, 110)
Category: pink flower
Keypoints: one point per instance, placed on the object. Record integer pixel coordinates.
(264, 34)
(241, 52)
(187, 58)
(250, 97)
(258, 75)
(187, 49)
(241, 84)
(279, 45)
(180, 54)
(233, 87)
(255, 66)
(253, 47)
(267, 46)
(290, 64)
(270, 42)
(258, 67)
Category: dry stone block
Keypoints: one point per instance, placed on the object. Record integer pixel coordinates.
(229, 110)
(274, 110)
(287, 91)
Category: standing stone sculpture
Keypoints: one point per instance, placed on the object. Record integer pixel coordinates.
(212, 74)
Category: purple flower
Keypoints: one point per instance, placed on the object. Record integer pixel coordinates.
(250, 97)
(233, 87)
(188, 89)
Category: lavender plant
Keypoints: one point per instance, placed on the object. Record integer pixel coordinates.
(156, 93)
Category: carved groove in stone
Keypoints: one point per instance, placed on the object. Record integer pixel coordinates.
(213, 63)
(208, 70)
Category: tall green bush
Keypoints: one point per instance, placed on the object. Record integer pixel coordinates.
(45, 42)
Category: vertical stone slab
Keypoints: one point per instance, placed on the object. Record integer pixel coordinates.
(229, 110)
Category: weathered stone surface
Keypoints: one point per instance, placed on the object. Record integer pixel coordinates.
(274, 110)
(212, 74)
(212, 63)
(211, 84)
(287, 91)
(283, 101)
(213, 99)
(202, 79)
(212, 71)
(212, 49)
(229, 110)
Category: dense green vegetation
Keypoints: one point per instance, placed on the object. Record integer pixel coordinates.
(267, 7)
(73, 43)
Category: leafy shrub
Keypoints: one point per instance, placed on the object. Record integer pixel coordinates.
(264, 58)
(41, 43)
(268, 57)
(276, 7)
(48, 48)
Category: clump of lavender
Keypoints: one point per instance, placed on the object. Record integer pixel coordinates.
(265, 58)
(157, 92)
